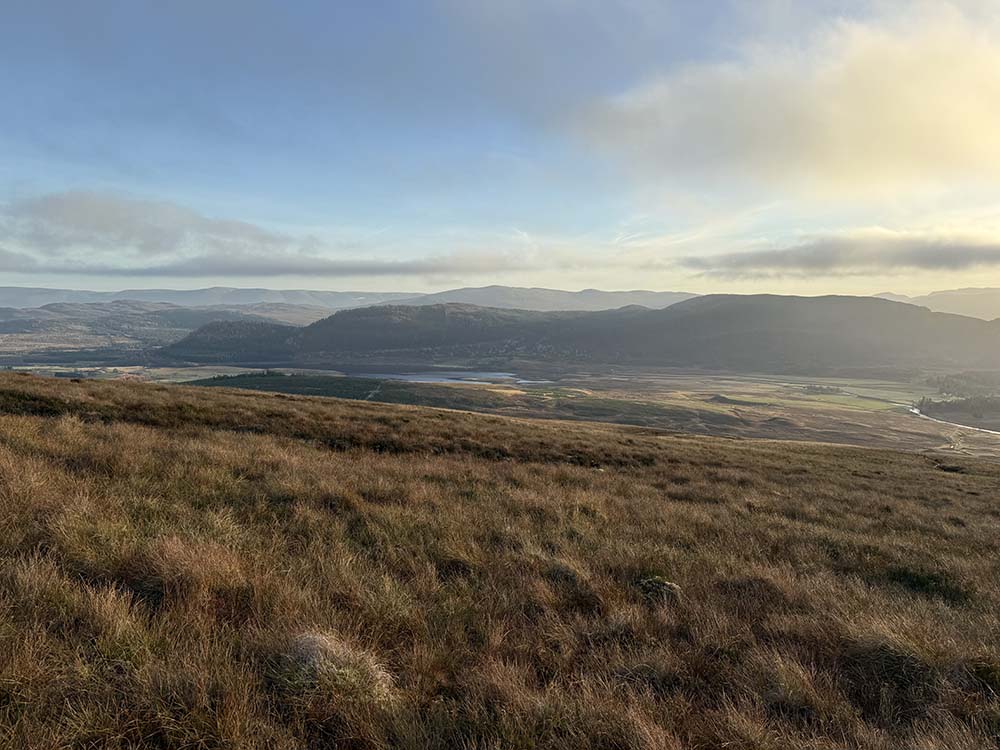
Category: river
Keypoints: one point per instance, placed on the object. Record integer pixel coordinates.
(915, 410)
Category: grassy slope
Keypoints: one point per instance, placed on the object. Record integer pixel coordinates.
(674, 405)
(384, 391)
(546, 403)
(169, 554)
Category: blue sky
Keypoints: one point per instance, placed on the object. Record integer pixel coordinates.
(734, 146)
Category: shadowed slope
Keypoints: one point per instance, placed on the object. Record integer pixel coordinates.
(746, 333)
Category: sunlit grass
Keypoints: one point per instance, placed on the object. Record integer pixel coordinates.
(194, 568)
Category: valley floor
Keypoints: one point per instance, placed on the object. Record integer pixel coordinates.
(866, 412)
(850, 411)
(186, 567)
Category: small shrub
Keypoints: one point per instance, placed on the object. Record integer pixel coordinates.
(657, 590)
(316, 661)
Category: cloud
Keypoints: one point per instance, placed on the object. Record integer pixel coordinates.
(858, 108)
(91, 233)
(16, 262)
(858, 253)
(60, 222)
(255, 265)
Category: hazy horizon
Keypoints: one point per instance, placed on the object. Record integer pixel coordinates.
(348, 289)
(839, 147)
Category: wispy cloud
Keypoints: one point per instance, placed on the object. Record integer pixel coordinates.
(16, 262)
(255, 265)
(106, 234)
(864, 252)
(58, 223)
(857, 108)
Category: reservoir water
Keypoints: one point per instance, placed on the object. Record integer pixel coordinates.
(443, 376)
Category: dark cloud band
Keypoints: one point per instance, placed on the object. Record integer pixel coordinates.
(832, 256)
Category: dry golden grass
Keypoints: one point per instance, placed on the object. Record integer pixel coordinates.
(184, 568)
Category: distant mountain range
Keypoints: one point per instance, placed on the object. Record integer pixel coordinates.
(64, 320)
(12, 296)
(490, 296)
(976, 303)
(762, 333)
(522, 298)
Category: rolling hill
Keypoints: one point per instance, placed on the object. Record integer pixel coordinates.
(125, 325)
(522, 298)
(976, 303)
(237, 341)
(189, 567)
(762, 333)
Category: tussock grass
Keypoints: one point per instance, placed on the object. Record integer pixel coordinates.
(184, 568)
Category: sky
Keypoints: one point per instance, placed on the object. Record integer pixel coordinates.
(787, 146)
